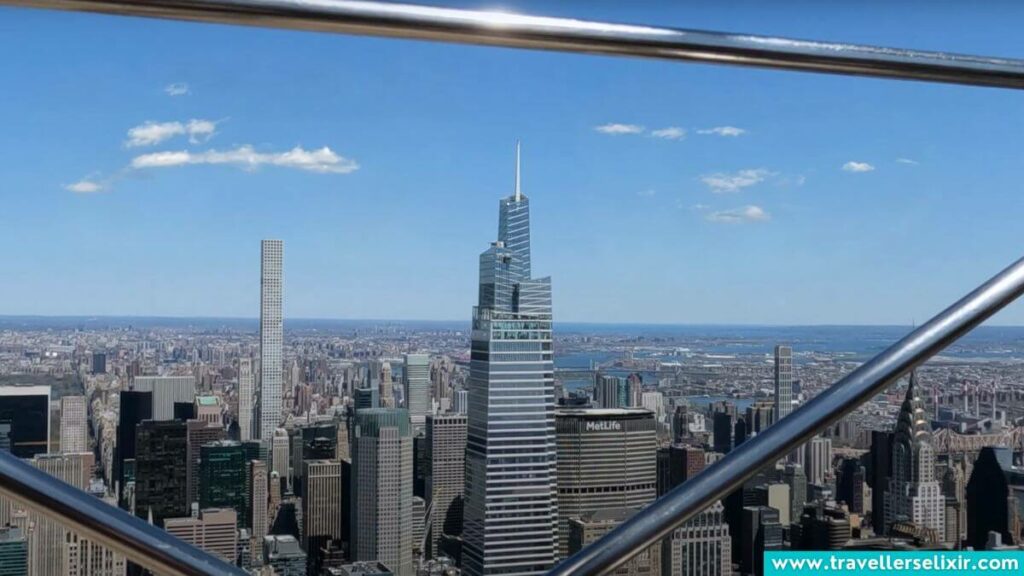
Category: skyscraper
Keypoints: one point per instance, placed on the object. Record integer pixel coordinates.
(213, 530)
(74, 433)
(161, 470)
(511, 517)
(166, 391)
(279, 461)
(586, 529)
(197, 434)
(246, 383)
(46, 542)
(991, 502)
(416, 388)
(382, 489)
(818, 459)
(321, 508)
(223, 481)
(914, 494)
(271, 338)
(134, 408)
(783, 382)
(702, 546)
(258, 507)
(446, 454)
(606, 460)
(27, 410)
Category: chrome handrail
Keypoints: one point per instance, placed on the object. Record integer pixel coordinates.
(113, 528)
(668, 512)
(567, 34)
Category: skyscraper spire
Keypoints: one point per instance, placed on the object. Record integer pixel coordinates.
(518, 194)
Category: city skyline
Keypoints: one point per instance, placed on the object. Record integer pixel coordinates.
(428, 167)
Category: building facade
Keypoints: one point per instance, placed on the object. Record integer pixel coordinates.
(74, 425)
(271, 338)
(511, 517)
(416, 388)
(382, 489)
(446, 482)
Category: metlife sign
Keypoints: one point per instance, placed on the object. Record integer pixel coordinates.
(604, 426)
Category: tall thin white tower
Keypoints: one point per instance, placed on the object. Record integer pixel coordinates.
(271, 338)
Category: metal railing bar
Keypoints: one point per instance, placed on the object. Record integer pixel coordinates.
(570, 35)
(659, 519)
(94, 519)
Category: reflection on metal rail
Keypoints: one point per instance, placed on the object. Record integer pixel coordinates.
(141, 542)
(660, 518)
(566, 34)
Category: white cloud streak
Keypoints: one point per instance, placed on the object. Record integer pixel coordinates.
(85, 186)
(853, 166)
(322, 160)
(647, 193)
(670, 133)
(152, 133)
(907, 161)
(721, 183)
(740, 215)
(723, 131)
(619, 129)
(177, 89)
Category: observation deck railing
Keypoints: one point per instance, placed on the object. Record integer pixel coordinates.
(163, 554)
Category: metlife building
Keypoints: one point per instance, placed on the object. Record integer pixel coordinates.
(607, 458)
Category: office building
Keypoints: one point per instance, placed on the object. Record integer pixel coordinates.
(208, 409)
(83, 557)
(818, 460)
(760, 415)
(13, 552)
(279, 452)
(271, 339)
(161, 470)
(723, 426)
(382, 489)
(99, 363)
(321, 508)
(258, 512)
(761, 532)
(198, 434)
(783, 382)
(850, 485)
(702, 546)
(74, 429)
(366, 398)
(363, 569)
(419, 512)
(610, 391)
(416, 388)
(223, 477)
(991, 502)
(511, 432)
(283, 555)
(246, 406)
(822, 526)
(312, 442)
(446, 480)
(47, 537)
(166, 390)
(27, 411)
(213, 530)
(606, 460)
(775, 495)
(586, 529)
(134, 408)
(880, 460)
(914, 494)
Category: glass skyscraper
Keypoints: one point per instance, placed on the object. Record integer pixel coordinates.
(511, 513)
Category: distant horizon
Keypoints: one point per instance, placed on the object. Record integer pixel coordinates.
(255, 319)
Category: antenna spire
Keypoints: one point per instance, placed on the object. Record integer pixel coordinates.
(519, 194)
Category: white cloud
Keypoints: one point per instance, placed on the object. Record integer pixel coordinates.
(670, 133)
(647, 193)
(84, 186)
(723, 131)
(907, 161)
(852, 166)
(322, 160)
(739, 215)
(699, 207)
(722, 183)
(177, 89)
(152, 133)
(617, 129)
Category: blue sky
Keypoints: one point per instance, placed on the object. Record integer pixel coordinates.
(763, 227)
